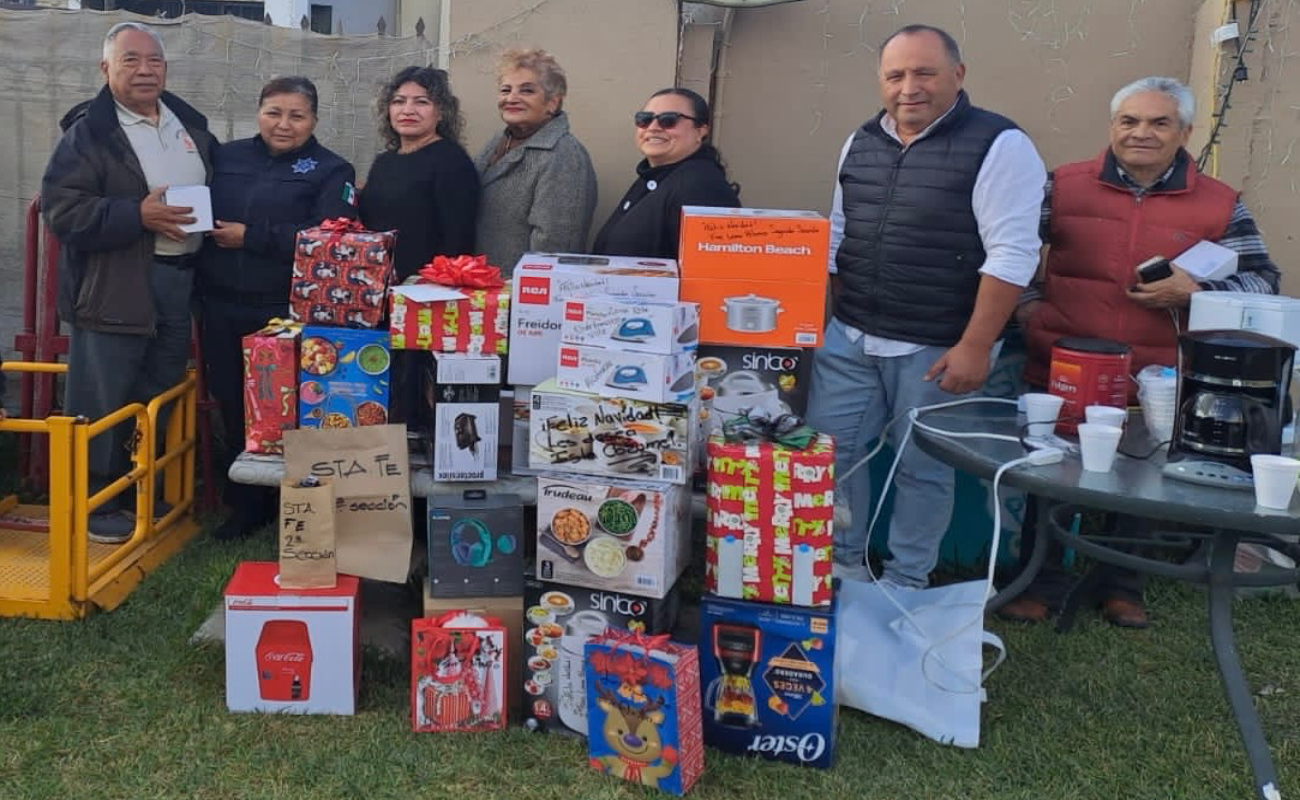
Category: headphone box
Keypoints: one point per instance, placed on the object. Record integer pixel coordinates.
(476, 545)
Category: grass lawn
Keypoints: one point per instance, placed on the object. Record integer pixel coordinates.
(122, 706)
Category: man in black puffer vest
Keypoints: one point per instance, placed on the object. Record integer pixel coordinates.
(934, 232)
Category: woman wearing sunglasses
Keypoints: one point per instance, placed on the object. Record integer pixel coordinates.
(680, 168)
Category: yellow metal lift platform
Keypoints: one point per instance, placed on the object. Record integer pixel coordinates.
(48, 567)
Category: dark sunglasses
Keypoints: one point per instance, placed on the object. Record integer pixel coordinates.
(667, 119)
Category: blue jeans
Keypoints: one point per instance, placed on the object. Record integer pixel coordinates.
(852, 397)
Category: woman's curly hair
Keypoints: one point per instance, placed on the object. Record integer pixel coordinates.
(437, 83)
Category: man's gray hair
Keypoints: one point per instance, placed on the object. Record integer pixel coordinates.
(1172, 88)
(130, 26)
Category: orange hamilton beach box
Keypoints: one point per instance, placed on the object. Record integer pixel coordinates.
(759, 275)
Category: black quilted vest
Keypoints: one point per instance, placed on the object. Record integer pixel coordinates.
(909, 263)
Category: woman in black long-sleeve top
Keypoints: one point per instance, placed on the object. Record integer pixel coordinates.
(264, 190)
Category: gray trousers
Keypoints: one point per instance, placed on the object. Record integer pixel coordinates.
(109, 370)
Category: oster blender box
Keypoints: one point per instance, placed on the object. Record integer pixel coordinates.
(560, 620)
(290, 650)
(768, 683)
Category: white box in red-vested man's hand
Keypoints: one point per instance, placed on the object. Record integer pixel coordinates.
(293, 651)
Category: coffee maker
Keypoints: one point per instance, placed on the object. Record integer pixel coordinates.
(1233, 401)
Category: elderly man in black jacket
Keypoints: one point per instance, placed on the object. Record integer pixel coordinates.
(127, 266)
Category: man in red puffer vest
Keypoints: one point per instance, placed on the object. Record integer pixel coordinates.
(1142, 197)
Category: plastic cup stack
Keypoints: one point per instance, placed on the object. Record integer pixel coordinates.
(1098, 444)
(1275, 479)
(1041, 411)
(1158, 395)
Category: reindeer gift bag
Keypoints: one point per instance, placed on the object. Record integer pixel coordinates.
(643, 710)
(341, 273)
(458, 673)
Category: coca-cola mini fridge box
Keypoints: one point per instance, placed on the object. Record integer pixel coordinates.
(291, 651)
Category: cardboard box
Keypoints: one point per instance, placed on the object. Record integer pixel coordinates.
(458, 674)
(643, 707)
(293, 651)
(631, 325)
(510, 610)
(620, 536)
(759, 275)
(270, 386)
(343, 378)
(542, 282)
(476, 544)
(770, 521)
(562, 620)
(519, 436)
(769, 681)
(341, 274)
(620, 373)
(615, 437)
(478, 323)
(464, 391)
(733, 380)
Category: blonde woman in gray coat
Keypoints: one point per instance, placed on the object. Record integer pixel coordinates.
(539, 188)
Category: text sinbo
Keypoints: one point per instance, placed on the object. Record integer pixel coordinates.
(766, 249)
(808, 747)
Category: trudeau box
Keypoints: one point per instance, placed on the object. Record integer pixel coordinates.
(340, 274)
(643, 710)
(620, 536)
(541, 284)
(458, 673)
(624, 373)
(270, 385)
(611, 436)
(633, 325)
(510, 612)
(476, 544)
(292, 651)
(464, 391)
(343, 378)
(735, 380)
(476, 322)
(768, 678)
(770, 519)
(561, 620)
(759, 275)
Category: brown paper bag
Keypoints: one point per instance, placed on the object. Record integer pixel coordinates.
(371, 476)
(307, 550)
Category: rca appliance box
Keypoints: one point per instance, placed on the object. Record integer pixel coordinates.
(632, 325)
(476, 544)
(611, 436)
(561, 620)
(622, 373)
(619, 536)
(464, 392)
(758, 275)
(543, 282)
(343, 378)
(768, 680)
(291, 651)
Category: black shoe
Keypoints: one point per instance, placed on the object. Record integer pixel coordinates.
(109, 527)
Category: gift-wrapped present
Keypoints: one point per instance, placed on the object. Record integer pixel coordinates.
(341, 273)
(270, 385)
(643, 709)
(770, 513)
(454, 305)
(458, 673)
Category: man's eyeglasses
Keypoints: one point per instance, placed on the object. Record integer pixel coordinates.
(666, 119)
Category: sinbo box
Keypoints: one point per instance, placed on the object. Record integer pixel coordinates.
(620, 373)
(544, 281)
(663, 328)
(759, 275)
(290, 650)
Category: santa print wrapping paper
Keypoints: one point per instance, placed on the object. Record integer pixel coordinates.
(270, 385)
(479, 324)
(457, 674)
(644, 721)
(340, 275)
(773, 508)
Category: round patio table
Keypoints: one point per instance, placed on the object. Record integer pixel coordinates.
(1221, 519)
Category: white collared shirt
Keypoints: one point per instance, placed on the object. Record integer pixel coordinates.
(169, 157)
(1007, 201)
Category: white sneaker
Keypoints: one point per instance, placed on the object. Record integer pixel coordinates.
(854, 572)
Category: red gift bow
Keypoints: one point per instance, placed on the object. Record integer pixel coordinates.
(341, 225)
(627, 667)
(462, 271)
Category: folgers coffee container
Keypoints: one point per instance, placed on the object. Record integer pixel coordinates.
(1088, 372)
